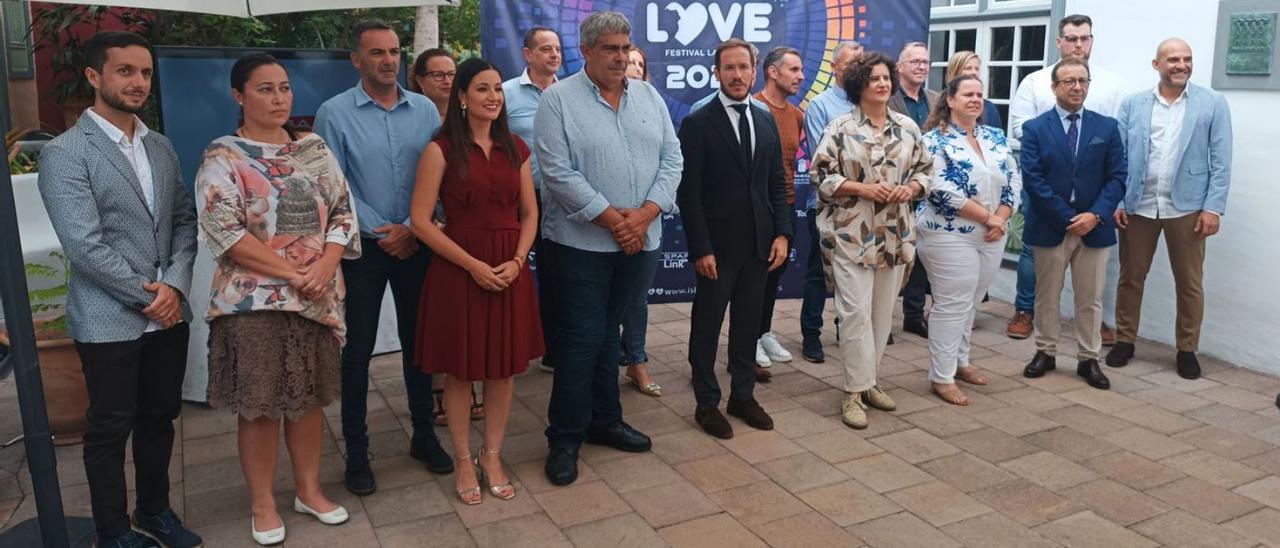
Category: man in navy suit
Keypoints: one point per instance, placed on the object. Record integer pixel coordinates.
(1073, 167)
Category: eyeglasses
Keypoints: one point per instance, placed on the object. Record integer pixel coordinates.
(918, 62)
(440, 75)
(1073, 82)
(1076, 39)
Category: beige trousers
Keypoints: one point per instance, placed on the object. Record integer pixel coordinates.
(864, 299)
(1088, 275)
(1186, 260)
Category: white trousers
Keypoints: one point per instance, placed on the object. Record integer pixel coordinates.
(961, 267)
(864, 300)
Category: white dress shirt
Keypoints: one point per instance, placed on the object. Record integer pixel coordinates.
(735, 118)
(136, 154)
(1035, 96)
(1162, 160)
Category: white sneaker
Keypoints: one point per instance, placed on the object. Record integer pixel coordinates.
(773, 348)
(762, 358)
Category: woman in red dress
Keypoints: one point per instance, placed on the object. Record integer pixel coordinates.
(478, 319)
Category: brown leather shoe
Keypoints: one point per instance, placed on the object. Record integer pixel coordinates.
(1108, 335)
(1020, 326)
(763, 375)
(751, 413)
(712, 422)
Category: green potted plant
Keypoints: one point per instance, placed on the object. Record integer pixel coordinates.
(66, 397)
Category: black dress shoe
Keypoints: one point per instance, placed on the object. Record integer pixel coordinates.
(812, 351)
(562, 466)
(712, 422)
(428, 451)
(1188, 366)
(1092, 374)
(890, 341)
(1120, 354)
(359, 476)
(1042, 363)
(751, 413)
(620, 436)
(917, 326)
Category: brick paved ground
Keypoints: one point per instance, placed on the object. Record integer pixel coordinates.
(1157, 460)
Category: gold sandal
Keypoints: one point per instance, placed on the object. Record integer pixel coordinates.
(470, 496)
(950, 394)
(505, 491)
(971, 375)
(651, 389)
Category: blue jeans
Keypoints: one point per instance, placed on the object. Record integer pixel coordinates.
(635, 321)
(815, 283)
(1026, 298)
(366, 280)
(594, 290)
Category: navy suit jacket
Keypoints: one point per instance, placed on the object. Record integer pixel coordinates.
(1049, 176)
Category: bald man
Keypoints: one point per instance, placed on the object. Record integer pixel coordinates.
(1178, 138)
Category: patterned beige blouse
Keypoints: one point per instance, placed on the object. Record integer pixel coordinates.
(857, 230)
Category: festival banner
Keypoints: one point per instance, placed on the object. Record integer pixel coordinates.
(679, 38)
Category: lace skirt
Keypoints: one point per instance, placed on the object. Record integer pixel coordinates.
(272, 364)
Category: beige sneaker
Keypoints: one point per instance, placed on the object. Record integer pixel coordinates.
(876, 398)
(853, 412)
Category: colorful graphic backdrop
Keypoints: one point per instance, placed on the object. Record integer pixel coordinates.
(679, 39)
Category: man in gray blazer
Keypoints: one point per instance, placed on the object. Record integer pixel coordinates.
(127, 225)
(1178, 138)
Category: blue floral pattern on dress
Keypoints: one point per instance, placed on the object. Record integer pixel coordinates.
(958, 179)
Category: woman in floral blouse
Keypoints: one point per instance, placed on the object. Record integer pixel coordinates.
(277, 217)
(868, 167)
(962, 227)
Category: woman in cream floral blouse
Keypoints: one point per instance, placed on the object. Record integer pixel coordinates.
(870, 164)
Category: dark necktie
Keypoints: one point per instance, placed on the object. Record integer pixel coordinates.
(1073, 133)
(744, 132)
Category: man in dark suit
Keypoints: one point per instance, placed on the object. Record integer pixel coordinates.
(127, 225)
(1073, 168)
(733, 200)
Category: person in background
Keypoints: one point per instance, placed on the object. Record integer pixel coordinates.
(126, 223)
(783, 73)
(733, 203)
(543, 58)
(869, 166)
(277, 216)
(968, 62)
(961, 228)
(637, 65)
(916, 101)
(1177, 185)
(433, 74)
(1073, 166)
(635, 321)
(479, 312)
(611, 162)
(377, 131)
(824, 108)
(1035, 96)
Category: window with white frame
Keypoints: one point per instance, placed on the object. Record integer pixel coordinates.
(1010, 50)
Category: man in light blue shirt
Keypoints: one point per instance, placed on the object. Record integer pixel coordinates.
(377, 130)
(543, 55)
(610, 165)
(821, 111)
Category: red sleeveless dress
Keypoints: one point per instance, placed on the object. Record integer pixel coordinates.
(465, 330)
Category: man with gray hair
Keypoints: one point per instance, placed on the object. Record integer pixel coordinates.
(822, 110)
(916, 101)
(610, 163)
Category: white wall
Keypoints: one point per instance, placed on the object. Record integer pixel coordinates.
(1242, 266)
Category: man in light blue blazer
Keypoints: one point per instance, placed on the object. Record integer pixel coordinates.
(1179, 141)
(1073, 171)
(127, 225)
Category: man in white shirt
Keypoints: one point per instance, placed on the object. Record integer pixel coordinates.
(1033, 98)
(1178, 138)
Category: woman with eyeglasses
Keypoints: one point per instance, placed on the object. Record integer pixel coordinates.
(961, 227)
(869, 166)
(433, 73)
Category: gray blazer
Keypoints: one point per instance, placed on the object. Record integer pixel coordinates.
(113, 242)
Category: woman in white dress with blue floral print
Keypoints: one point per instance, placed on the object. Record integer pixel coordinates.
(961, 227)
